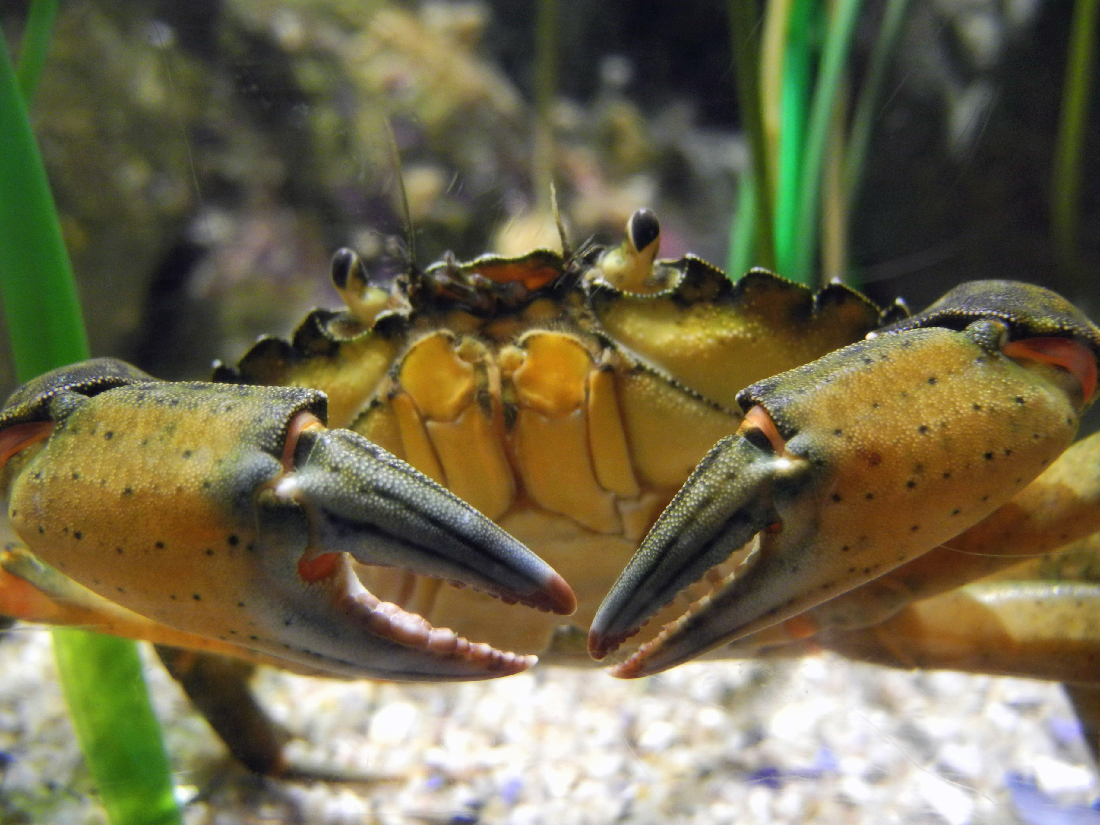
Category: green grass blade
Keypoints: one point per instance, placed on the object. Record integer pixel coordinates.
(115, 725)
(744, 25)
(1066, 196)
(795, 96)
(36, 45)
(837, 44)
(40, 302)
(101, 676)
(743, 230)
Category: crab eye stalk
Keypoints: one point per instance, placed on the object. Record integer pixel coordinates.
(630, 265)
(643, 229)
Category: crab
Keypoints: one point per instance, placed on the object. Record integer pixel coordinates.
(613, 456)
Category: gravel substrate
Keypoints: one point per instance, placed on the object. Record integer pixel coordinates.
(819, 740)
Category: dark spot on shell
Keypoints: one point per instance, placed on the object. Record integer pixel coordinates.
(107, 436)
(240, 604)
(76, 476)
(186, 454)
(1020, 399)
(254, 638)
(868, 496)
(845, 549)
(173, 597)
(932, 380)
(956, 511)
(159, 545)
(837, 497)
(914, 528)
(196, 597)
(977, 407)
(233, 540)
(121, 589)
(923, 429)
(209, 551)
(838, 431)
(41, 529)
(78, 535)
(127, 491)
(987, 456)
(911, 484)
(120, 551)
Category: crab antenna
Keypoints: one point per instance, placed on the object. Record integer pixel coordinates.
(566, 248)
(406, 213)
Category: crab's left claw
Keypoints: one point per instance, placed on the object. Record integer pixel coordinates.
(859, 462)
(231, 512)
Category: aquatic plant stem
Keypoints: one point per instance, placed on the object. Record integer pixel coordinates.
(40, 303)
(744, 25)
(35, 46)
(837, 45)
(743, 229)
(1077, 91)
(792, 132)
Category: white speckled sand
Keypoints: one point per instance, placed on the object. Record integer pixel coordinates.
(819, 740)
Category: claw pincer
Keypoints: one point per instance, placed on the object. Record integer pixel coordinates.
(233, 513)
(852, 465)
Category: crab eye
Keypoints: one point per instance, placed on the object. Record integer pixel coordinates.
(347, 266)
(643, 228)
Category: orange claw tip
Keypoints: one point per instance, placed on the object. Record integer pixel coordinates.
(561, 598)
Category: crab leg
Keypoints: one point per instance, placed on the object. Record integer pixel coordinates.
(1034, 629)
(232, 512)
(851, 466)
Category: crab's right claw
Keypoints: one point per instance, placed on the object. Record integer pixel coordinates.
(852, 465)
(231, 512)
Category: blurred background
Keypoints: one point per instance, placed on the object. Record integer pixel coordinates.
(208, 157)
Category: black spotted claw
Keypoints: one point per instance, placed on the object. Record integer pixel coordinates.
(857, 463)
(231, 512)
